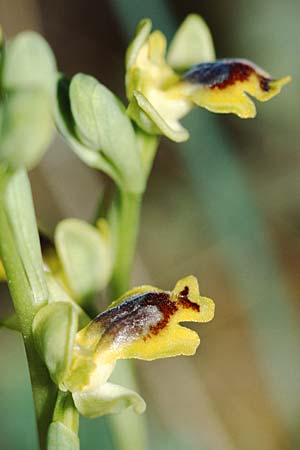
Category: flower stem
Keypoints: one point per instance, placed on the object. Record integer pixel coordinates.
(125, 217)
(21, 256)
(127, 207)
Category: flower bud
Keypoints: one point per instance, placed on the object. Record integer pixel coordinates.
(94, 122)
(54, 331)
(86, 256)
(28, 72)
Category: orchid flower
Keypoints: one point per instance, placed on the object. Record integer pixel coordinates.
(164, 87)
(142, 324)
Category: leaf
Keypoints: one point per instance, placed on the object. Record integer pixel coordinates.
(54, 331)
(29, 62)
(86, 256)
(192, 44)
(26, 127)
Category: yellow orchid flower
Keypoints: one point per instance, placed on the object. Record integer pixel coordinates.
(142, 324)
(161, 90)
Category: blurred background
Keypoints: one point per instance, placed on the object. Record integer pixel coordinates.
(225, 206)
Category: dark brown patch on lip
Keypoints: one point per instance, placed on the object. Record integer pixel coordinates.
(223, 73)
(133, 315)
(264, 84)
(185, 302)
(184, 292)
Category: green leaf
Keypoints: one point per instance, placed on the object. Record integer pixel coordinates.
(102, 125)
(86, 256)
(29, 62)
(61, 438)
(25, 127)
(192, 44)
(106, 399)
(54, 330)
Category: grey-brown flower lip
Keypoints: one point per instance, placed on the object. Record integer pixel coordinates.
(225, 72)
(142, 315)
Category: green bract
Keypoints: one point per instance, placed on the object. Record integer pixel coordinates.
(94, 122)
(27, 75)
(86, 256)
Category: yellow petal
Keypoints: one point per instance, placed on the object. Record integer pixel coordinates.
(223, 86)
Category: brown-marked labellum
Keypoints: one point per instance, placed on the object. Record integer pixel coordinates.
(226, 72)
(140, 316)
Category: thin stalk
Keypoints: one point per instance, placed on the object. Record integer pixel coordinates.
(27, 297)
(127, 206)
(125, 219)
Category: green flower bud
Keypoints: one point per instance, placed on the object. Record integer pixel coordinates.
(27, 76)
(86, 256)
(29, 63)
(26, 127)
(94, 122)
(54, 331)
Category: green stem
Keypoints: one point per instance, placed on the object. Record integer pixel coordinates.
(127, 212)
(125, 217)
(26, 285)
